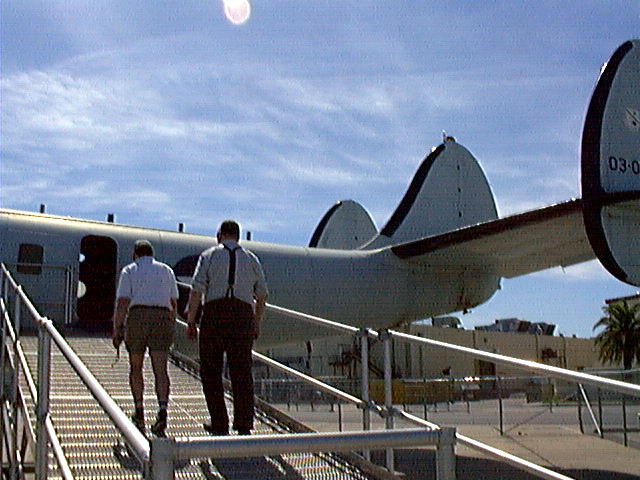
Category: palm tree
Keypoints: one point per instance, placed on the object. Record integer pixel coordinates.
(620, 339)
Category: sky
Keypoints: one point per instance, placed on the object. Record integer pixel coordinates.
(166, 112)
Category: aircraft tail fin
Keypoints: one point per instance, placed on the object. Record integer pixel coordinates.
(449, 191)
(346, 226)
(611, 165)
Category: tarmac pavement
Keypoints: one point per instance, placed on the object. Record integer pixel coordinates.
(534, 432)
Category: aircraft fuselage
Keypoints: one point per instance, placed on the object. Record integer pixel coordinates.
(372, 288)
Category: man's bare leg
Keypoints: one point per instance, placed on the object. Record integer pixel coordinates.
(136, 382)
(159, 364)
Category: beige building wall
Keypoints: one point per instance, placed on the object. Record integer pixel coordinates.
(339, 356)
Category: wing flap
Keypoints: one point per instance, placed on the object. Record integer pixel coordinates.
(510, 246)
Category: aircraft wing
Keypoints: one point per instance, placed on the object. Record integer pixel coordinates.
(510, 246)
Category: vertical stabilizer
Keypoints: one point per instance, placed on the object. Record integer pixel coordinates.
(346, 226)
(449, 191)
(611, 165)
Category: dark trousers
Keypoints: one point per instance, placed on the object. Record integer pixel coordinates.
(213, 344)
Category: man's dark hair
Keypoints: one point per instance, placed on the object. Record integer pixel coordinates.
(231, 228)
(143, 248)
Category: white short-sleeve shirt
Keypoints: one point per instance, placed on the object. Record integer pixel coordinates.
(211, 276)
(148, 282)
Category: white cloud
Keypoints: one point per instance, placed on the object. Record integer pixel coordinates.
(590, 271)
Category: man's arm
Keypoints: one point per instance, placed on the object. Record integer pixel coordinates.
(174, 308)
(195, 298)
(122, 307)
(260, 304)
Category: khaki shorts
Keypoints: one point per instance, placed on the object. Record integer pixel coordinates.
(151, 327)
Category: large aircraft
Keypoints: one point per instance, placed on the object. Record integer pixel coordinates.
(444, 249)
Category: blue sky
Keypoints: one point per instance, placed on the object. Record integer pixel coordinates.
(165, 112)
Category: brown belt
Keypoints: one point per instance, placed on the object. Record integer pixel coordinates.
(148, 307)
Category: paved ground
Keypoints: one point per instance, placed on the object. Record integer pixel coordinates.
(531, 431)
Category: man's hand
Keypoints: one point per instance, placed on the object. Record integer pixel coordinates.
(192, 332)
(118, 322)
(195, 299)
(117, 337)
(259, 312)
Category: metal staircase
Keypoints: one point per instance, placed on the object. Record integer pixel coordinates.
(95, 450)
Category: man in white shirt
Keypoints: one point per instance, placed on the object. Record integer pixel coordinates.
(147, 300)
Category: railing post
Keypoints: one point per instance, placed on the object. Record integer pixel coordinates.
(500, 406)
(624, 420)
(161, 463)
(385, 336)
(364, 363)
(16, 383)
(579, 398)
(42, 411)
(600, 414)
(3, 334)
(3, 282)
(446, 455)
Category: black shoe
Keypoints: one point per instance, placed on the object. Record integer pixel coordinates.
(160, 426)
(244, 431)
(212, 431)
(138, 421)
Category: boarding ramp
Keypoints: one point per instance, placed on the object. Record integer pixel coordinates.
(178, 453)
(87, 381)
(95, 448)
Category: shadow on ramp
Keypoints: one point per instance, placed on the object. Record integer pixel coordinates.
(264, 468)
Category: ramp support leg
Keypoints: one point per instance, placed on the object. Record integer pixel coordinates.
(364, 364)
(388, 394)
(162, 455)
(445, 455)
(44, 381)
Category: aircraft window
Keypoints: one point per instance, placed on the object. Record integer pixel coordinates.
(30, 258)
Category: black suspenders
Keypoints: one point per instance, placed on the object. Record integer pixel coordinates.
(232, 272)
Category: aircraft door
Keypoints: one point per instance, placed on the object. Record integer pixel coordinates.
(97, 277)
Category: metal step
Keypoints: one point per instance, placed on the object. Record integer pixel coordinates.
(95, 449)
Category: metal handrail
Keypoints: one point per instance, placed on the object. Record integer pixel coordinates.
(21, 408)
(469, 442)
(506, 457)
(578, 377)
(305, 442)
(52, 435)
(133, 436)
(308, 379)
(503, 359)
(166, 451)
(347, 329)
(145, 452)
(139, 444)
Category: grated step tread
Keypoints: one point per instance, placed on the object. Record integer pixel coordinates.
(95, 449)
